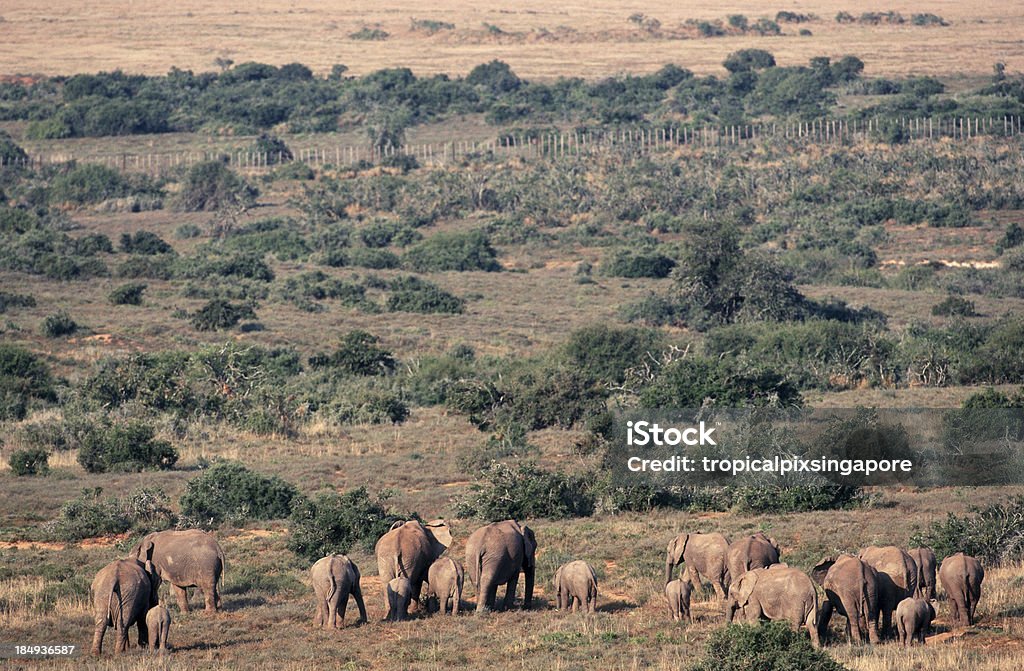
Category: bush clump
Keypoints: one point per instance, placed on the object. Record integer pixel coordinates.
(228, 491)
(59, 324)
(954, 306)
(411, 294)
(127, 447)
(23, 377)
(523, 491)
(33, 461)
(89, 516)
(12, 300)
(607, 352)
(332, 522)
(453, 251)
(219, 314)
(773, 646)
(211, 185)
(127, 294)
(994, 534)
(144, 242)
(628, 263)
(357, 354)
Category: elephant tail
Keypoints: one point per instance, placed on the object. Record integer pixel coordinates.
(223, 564)
(115, 608)
(478, 565)
(399, 569)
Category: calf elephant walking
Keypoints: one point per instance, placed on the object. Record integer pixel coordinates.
(576, 587)
(335, 577)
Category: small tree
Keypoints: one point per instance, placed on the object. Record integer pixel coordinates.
(229, 491)
(219, 314)
(33, 461)
(211, 185)
(333, 522)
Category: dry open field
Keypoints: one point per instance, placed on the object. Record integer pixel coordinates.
(539, 39)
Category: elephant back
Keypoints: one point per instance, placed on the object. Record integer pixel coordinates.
(895, 563)
(500, 544)
(406, 550)
(187, 558)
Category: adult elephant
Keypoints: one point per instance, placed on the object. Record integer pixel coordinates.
(778, 592)
(750, 552)
(961, 577)
(408, 549)
(122, 593)
(851, 589)
(188, 558)
(897, 578)
(495, 555)
(704, 554)
(925, 560)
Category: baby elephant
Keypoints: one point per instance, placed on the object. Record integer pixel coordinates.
(678, 593)
(913, 619)
(158, 621)
(444, 584)
(576, 586)
(399, 596)
(335, 577)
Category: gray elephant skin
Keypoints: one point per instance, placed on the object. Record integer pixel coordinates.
(189, 558)
(961, 577)
(495, 555)
(123, 591)
(335, 577)
(851, 589)
(913, 619)
(704, 554)
(408, 549)
(778, 592)
(399, 596)
(897, 579)
(678, 594)
(445, 579)
(750, 552)
(576, 587)
(158, 621)
(925, 560)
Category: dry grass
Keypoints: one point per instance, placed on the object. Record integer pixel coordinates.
(589, 39)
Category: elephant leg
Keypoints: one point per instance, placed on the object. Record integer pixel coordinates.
(357, 593)
(954, 612)
(823, 618)
(97, 637)
(812, 629)
(210, 597)
(342, 607)
(719, 585)
(121, 644)
(181, 595)
(510, 591)
(143, 631)
(694, 579)
(318, 618)
(332, 612)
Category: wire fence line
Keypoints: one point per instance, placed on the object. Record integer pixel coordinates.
(558, 144)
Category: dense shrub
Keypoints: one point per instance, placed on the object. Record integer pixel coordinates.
(89, 516)
(747, 60)
(606, 352)
(58, 324)
(773, 646)
(496, 76)
(87, 184)
(127, 447)
(219, 314)
(525, 491)
(33, 461)
(794, 497)
(332, 522)
(954, 306)
(144, 242)
(411, 294)
(228, 491)
(213, 186)
(452, 251)
(721, 381)
(245, 265)
(23, 377)
(629, 263)
(994, 534)
(10, 153)
(358, 354)
(272, 148)
(127, 294)
(366, 405)
(12, 300)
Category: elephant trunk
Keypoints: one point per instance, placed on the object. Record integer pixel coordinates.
(668, 570)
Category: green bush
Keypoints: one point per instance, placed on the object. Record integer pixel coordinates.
(11, 300)
(605, 352)
(127, 447)
(954, 306)
(127, 294)
(33, 461)
(86, 184)
(245, 265)
(453, 251)
(694, 381)
(228, 491)
(332, 522)
(58, 324)
(23, 377)
(357, 354)
(525, 491)
(369, 34)
(366, 405)
(773, 646)
(629, 263)
(213, 186)
(144, 242)
(219, 314)
(89, 516)
(994, 534)
(747, 60)
(543, 396)
(273, 147)
(411, 294)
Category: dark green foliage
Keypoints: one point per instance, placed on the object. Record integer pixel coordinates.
(282, 237)
(452, 251)
(219, 314)
(606, 352)
(543, 396)
(747, 60)
(127, 447)
(358, 354)
(241, 265)
(149, 267)
(213, 186)
(127, 294)
(58, 324)
(23, 377)
(307, 289)
(773, 646)
(12, 300)
(954, 306)
(89, 516)
(496, 77)
(144, 242)
(230, 492)
(411, 294)
(927, 19)
(10, 153)
(1013, 237)
(724, 382)
(794, 497)
(33, 461)
(369, 34)
(630, 263)
(993, 534)
(272, 148)
(525, 491)
(362, 257)
(332, 522)
(87, 184)
(992, 398)
(360, 405)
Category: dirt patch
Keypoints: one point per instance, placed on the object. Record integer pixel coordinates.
(30, 545)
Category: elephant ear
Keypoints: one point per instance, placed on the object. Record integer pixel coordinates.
(529, 547)
(677, 547)
(746, 586)
(440, 530)
(146, 550)
(819, 572)
(397, 525)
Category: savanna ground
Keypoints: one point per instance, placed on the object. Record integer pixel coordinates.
(267, 599)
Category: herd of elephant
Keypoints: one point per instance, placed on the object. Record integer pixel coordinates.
(879, 587)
